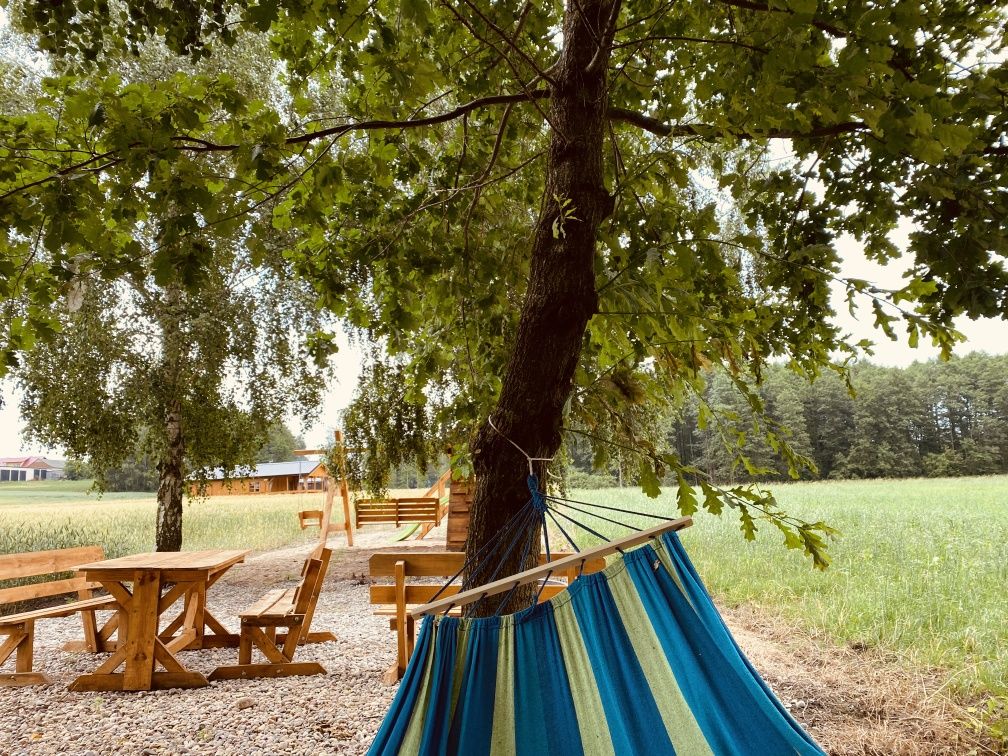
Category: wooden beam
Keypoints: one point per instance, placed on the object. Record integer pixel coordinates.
(529, 576)
(247, 671)
(16, 679)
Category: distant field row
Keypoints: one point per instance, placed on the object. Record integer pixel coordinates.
(921, 569)
(57, 514)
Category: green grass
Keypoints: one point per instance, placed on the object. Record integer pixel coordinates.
(60, 514)
(921, 568)
(52, 491)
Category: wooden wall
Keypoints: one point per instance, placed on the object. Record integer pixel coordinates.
(275, 484)
(459, 501)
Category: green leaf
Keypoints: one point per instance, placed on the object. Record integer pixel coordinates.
(650, 484)
(748, 525)
(685, 497)
(805, 7)
(712, 498)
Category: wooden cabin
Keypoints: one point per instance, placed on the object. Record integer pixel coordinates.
(301, 476)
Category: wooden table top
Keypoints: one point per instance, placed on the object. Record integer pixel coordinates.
(210, 561)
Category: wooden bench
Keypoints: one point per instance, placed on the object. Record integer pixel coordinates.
(425, 511)
(291, 609)
(393, 600)
(19, 628)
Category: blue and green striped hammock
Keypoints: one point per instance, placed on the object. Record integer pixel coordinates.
(631, 660)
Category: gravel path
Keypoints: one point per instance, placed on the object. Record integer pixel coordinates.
(851, 702)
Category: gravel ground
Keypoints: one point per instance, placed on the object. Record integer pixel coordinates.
(336, 713)
(853, 702)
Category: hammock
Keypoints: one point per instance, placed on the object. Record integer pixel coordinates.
(631, 660)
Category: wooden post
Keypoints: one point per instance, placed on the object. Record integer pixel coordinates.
(326, 517)
(402, 656)
(345, 495)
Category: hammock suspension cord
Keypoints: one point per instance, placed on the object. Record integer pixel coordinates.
(491, 557)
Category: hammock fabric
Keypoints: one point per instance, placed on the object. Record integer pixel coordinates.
(631, 660)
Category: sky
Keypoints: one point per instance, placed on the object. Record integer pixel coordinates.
(346, 366)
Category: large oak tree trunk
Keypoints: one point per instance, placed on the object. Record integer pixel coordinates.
(169, 514)
(559, 301)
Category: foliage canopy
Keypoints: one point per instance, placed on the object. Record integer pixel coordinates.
(416, 144)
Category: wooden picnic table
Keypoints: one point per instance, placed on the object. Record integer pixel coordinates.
(145, 587)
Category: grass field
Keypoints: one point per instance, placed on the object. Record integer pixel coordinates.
(921, 568)
(59, 514)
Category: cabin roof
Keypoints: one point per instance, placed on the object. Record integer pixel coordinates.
(272, 470)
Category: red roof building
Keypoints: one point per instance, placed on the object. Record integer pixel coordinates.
(16, 469)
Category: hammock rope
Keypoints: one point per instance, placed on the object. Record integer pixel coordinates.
(491, 558)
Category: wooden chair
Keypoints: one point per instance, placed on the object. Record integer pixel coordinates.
(20, 628)
(291, 609)
(394, 600)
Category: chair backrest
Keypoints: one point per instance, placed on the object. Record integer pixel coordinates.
(42, 563)
(312, 575)
(398, 510)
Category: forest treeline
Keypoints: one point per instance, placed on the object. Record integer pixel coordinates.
(929, 419)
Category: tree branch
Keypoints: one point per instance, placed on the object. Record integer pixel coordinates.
(831, 29)
(703, 40)
(62, 172)
(413, 123)
(660, 128)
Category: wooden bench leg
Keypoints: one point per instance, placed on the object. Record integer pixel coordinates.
(400, 596)
(20, 642)
(391, 675)
(309, 637)
(244, 647)
(96, 640)
(290, 642)
(90, 625)
(279, 660)
(408, 639)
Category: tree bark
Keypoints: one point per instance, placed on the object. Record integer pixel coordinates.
(168, 384)
(170, 487)
(559, 302)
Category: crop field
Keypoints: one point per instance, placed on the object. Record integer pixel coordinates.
(921, 568)
(60, 514)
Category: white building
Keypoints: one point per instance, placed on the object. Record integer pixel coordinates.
(16, 469)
